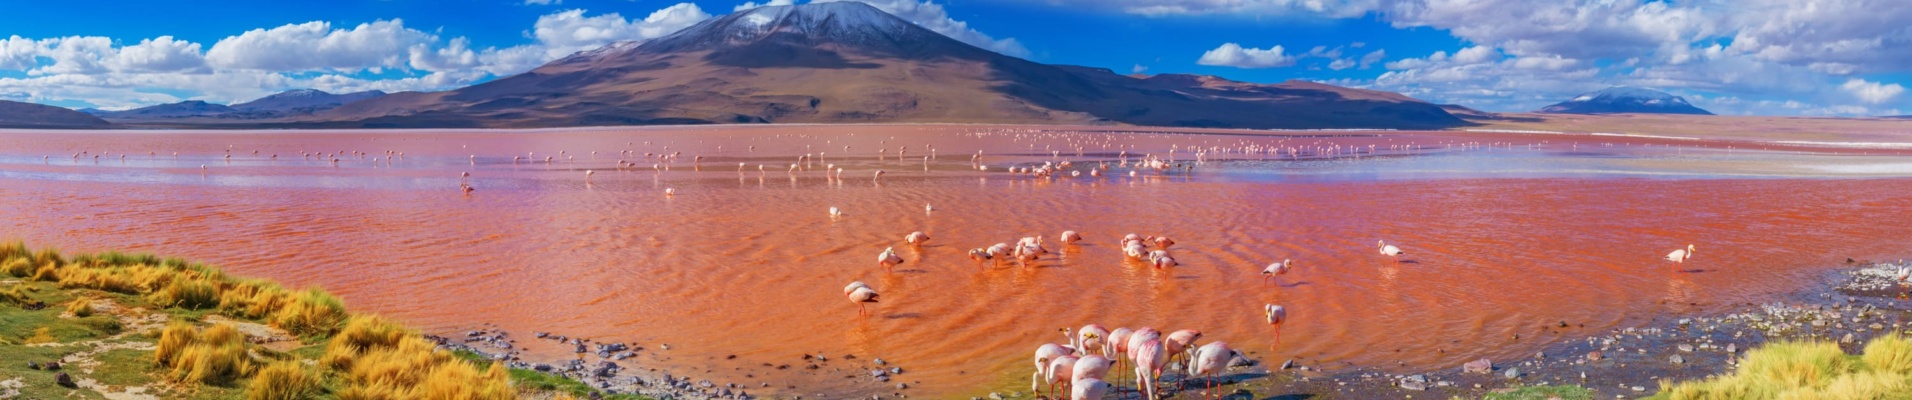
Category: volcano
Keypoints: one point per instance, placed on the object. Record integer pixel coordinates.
(1624, 99)
(848, 62)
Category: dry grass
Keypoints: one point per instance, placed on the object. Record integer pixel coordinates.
(382, 360)
(1810, 370)
(214, 355)
(312, 313)
(18, 267)
(80, 307)
(41, 335)
(285, 380)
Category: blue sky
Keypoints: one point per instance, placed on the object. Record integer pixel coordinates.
(1767, 57)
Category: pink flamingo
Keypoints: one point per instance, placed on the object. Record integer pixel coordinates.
(1091, 338)
(1060, 374)
(1276, 316)
(916, 238)
(1044, 354)
(888, 258)
(1276, 270)
(1391, 251)
(1070, 237)
(979, 255)
(1162, 241)
(1118, 347)
(1160, 259)
(1092, 367)
(1149, 359)
(1208, 362)
(1680, 256)
(860, 293)
(1089, 389)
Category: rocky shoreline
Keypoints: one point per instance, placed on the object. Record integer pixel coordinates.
(1850, 306)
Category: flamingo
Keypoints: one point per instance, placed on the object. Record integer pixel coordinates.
(1060, 373)
(1089, 388)
(860, 293)
(670, 191)
(1276, 316)
(888, 258)
(1160, 259)
(916, 238)
(1135, 250)
(1162, 241)
(1149, 359)
(835, 213)
(1091, 367)
(1276, 270)
(1180, 341)
(1391, 251)
(999, 250)
(1044, 354)
(1070, 237)
(1207, 362)
(1091, 339)
(1680, 256)
(979, 255)
(1904, 272)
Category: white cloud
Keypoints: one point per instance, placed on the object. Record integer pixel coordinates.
(1872, 92)
(751, 4)
(1164, 8)
(542, 2)
(932, 16)
(1233, 55)
(315, 46)
(1341, 64)
(1373, 57)
(1138, 69)
(383, 55)
(162, 54)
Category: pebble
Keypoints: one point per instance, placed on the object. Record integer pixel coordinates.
(1595, 356)
(1732, 348)
(63, 379)
(1512, 373)
(995, 396)
(1686, 348)
(879, 361)
(1480, 366)
(1289, 364)
(1676, 359)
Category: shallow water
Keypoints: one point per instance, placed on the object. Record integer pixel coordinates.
(1505, 234)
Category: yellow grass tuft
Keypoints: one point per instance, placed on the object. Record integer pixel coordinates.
(1889, 353)
(313, 313)
(382, 360)
(213, 355)
(18, 267)
(47, 272)
(189, 293)
(254, 299)
(80, 307)
(41, 335)
(285, 380)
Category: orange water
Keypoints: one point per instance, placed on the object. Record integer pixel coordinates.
(738, 264)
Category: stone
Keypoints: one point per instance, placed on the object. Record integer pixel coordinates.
(706, 384)
(1289, 364)
(1512, 373)
(878, 373)
(1238, 361)
(1732, 348)
(1478, 366)
(879, 361)
(896, 370)
(1676, 359)
(63, 379)
(1686, 348)
(1595, 356)
(51, 366)
(1847, 339)
(33, 365)
(901, 386)
(995, 396)
(1639, 389)
(1411, 385)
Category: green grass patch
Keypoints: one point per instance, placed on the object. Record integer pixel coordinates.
(1565, 392)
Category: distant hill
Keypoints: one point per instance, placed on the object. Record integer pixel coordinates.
(184, 109)
(304, 101)
(14, 114)
(848, 62)
(1624, 99)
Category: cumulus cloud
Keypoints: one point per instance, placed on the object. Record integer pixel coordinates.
(932, 16)
(315, 46)
(1164, 8)
(383, 55)
(1872, 92)
(1233, 55)
(751, 4)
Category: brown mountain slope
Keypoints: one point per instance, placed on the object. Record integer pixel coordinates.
(849, 62)
(15, 114)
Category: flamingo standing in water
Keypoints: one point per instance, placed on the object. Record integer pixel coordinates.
(1070, 237)
(1150, 356)
(1089, 388)
(1092, 339)
(1044, 355)
(1276, 270)
(1091, 367)
(1117, 347)
(1904, 272)
(835, 213)
(980, 255)
(1680, 256)
(916, 238)
(860, 293)
(1207, 362)
(1276, 316)
(1391, 251)
(888, 259)
(1178, 343)
(1060, 374)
